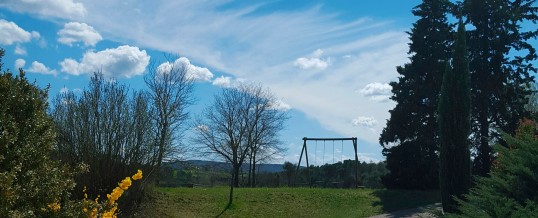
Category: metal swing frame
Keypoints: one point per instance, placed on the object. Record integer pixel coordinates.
(305, 151)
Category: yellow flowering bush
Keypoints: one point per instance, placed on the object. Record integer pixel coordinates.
(108, 208)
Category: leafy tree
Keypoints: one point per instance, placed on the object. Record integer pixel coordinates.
(500, 64)
(31, 183)
(410, 138)
(454, 125)
(510, 190)
(289, 171)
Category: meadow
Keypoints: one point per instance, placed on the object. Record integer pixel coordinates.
(280, 202)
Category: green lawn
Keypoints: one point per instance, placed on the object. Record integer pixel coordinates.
(281, 202)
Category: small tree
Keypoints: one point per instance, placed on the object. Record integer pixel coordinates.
(455, 126)
(31, 183)
(289, 171)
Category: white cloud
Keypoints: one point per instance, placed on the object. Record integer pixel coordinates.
(19, 63)
(48, 8)
(74, 32)
(280, 105)
(19, 50)
(365, 121)
(262, 47)
(11, 33)
(35, 34)
(123, 61)
(200, 74)
(377, 91)
(40, 68)
(223, 81)
(313, 62)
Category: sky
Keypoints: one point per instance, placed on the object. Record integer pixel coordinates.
(329, 62)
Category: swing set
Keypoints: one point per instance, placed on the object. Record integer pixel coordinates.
(305, 151)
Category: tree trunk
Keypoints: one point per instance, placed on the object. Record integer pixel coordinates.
(231, 197)
(235, 175)
(250, 171)
(253, 183)
(162, 141)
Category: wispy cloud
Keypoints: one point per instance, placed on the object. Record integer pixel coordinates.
(266, 48)
(365, 121)
(313, 62)
(49, 8)
(19, 50)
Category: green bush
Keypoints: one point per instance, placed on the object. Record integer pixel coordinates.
(510, 190)
(31, 184)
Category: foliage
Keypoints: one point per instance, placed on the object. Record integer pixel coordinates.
(501, 61)
(31, 183)
(281, 202)
(289, 172)
(455, 125)
(410, 138)
(108, 130)
(108, 208)
(510, 190)
(342, 175)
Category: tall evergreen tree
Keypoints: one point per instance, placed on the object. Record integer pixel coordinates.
(454, 125)
(500, 70)
(410, 138)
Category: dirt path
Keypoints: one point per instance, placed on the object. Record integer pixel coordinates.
(421, 212)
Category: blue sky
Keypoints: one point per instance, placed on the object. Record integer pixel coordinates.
(328, 61)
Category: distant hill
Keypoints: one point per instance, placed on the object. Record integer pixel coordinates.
(261, 168)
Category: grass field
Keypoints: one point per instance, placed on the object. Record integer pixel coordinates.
(281, 202)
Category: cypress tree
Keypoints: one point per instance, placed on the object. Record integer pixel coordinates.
(410, 138)
(454, 125)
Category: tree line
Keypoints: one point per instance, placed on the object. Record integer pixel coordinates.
(500, 65)
(107, 131)
(460, 92)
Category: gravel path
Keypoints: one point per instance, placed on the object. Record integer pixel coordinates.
(421, 212)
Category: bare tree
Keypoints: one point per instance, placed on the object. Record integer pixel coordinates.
(239, 120)
(171, 90)
(106, 127)
(265, 123)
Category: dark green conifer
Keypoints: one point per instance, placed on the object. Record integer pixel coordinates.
(410, 138)
(455, 125)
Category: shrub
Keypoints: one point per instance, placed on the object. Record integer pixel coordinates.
(510, 190)
(31, 183)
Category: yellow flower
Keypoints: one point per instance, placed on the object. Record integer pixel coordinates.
(94, 213)
(55, 207)
(111, 213)
(124, 184)
(115, 195)
(138, 175)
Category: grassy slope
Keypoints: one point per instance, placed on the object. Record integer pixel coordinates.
(281, 202)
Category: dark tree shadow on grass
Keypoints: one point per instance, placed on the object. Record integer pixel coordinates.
(394, 200)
